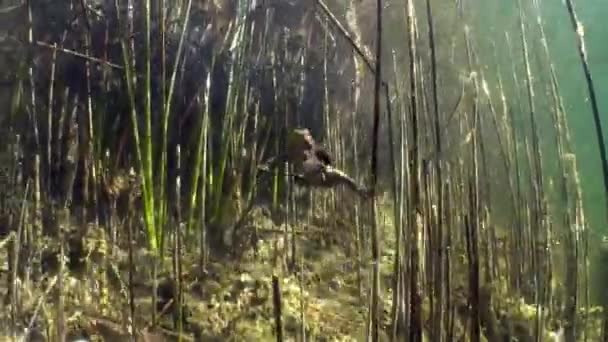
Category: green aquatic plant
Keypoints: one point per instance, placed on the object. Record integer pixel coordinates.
(154, 195)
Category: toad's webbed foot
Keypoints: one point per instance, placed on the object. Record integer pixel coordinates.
(331, 177)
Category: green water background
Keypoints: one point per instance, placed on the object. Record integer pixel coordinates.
(593, 15)
(492, 20)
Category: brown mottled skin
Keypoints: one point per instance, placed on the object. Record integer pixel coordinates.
(312, 164)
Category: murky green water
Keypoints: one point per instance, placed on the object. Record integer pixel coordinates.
(493, 19)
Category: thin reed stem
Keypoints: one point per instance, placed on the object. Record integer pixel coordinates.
(375, 307)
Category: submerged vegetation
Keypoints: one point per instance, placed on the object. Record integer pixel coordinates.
(132, 206)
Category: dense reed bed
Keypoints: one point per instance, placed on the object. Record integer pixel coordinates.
(132, 206)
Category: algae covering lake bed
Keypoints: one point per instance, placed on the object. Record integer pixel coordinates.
(237, 170)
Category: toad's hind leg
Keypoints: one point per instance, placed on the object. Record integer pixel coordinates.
(334, 177)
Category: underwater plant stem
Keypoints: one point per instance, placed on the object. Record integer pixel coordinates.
(13, 249)
(447, 275)
(147, 142)
(436, 332)
(60, 309)
(204, 136)
(130, 82)
(471, 219)
(398, 180)
(358, 242)
(491, 250)
(49, 136)
(537, 180)
(426, 241)
(78, 54)
(539, 235)
(179, 245)
(375, 307)
(162, 204)
(277, 303)
(519, 220)
(36, 231)
(200, 161)
(143, 164)
(505, 146)
(591, 89)
(404, 219)
(332, 18)
(511, 252)
(415, 323)
(90, 158)
(163, 52)
(33, 113)
(396, 210)
(131, 271)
